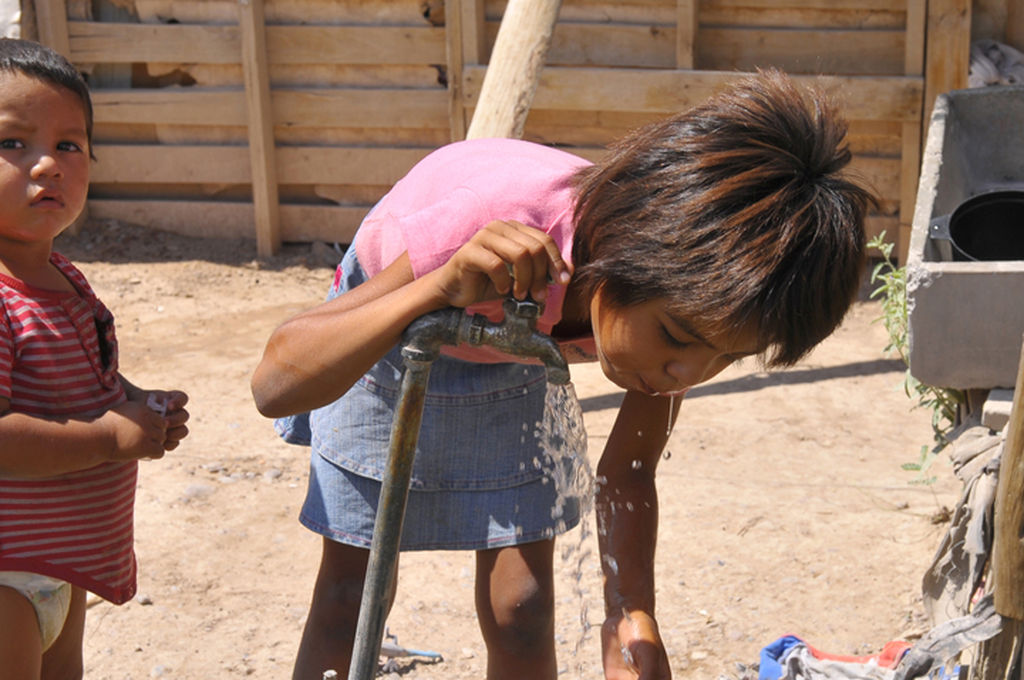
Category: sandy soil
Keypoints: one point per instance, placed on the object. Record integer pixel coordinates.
(784, 506)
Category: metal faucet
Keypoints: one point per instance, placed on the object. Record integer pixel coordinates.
(515, 335)
(421, 344)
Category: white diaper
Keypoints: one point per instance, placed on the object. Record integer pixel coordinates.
(51, 598)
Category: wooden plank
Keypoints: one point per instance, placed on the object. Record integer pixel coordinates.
(947, 52)
(356, 44)
(910, 170)
(1015, 24)
(355, 107)
(299, 222)
(880, 5)
(876, 224)
(686, 34)
(94, 42)
(170, 107)
(806, 50)
(208, 164)
(514, 70)
(613, 44)
(52, 25)
(914, 46)
(256, 74)
(473, 22)
(654, 91)
(455, 46)
(101, 42)
(837, 52)
(784, 16)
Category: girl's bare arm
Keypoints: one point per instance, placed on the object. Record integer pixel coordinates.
(627, 515)
(315, 357)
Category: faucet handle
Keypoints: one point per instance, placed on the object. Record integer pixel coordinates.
(524, 309)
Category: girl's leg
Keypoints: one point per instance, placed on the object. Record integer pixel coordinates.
(20, 643)
(63, 660)
(334, 612)
(515, 603)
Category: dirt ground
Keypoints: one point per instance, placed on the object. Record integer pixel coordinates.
(784, 506)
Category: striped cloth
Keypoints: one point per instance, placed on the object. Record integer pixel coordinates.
(58, 358)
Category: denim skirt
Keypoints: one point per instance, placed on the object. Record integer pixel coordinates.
(480, 478)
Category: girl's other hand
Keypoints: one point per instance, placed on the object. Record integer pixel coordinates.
(503, 258)
(632, 648)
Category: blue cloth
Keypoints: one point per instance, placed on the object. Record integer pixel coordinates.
(772, 655)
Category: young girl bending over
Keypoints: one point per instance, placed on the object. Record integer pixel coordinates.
(724, 232)
(71, 427)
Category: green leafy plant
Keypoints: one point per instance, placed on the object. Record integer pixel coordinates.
(890, 284)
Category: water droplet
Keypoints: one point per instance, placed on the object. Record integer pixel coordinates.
(629, 506)
(637, 464)
(671, 410)
(667, 454)
(563, 441)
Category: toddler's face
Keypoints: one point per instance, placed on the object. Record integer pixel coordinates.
(44, 158)
(646, 349)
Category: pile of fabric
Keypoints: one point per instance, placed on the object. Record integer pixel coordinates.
(994, 63)
(961, 613)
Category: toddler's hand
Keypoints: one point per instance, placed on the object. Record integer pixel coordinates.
(137, 431)
(171, 405)
(503, 258)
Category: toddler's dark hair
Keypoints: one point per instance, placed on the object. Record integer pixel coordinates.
(40, 62)
(735, 212)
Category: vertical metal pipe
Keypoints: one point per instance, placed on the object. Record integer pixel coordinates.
(387, 528)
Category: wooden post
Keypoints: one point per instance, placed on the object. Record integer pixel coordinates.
(514, 68)
(1008, 541)
(52, 25)
(454, 52)
(686, 34)
(255, 71)
(947, 51)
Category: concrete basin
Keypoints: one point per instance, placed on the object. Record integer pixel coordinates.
(966, 318)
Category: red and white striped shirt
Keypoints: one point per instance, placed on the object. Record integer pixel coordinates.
(58, 359)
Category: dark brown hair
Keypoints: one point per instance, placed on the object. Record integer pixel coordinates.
(42, 63)
(735, 212)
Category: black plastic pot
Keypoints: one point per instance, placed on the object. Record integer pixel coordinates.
(985, 227)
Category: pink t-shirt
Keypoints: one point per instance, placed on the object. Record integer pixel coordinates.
(456, 191)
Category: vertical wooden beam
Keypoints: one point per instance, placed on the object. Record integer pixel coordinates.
(686, 33)
(256, 74)
(474, 32)
(52, 25)
(913, 49)
(52, 28)
(453, 48)
(910, 170)
(947, 51)
(1015, 24)
(1008, 544)
(514, 68)
(911, 133)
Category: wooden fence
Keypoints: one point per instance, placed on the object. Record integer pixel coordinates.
(287, 119)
